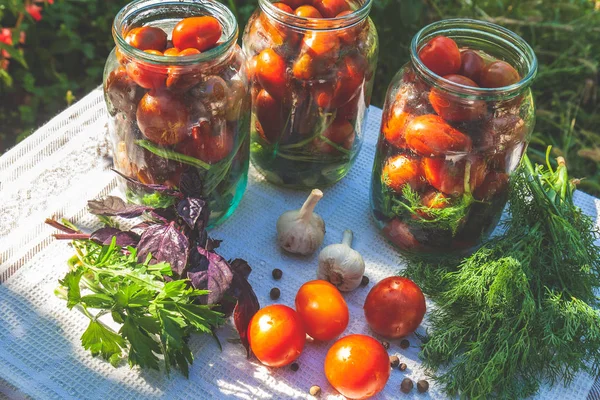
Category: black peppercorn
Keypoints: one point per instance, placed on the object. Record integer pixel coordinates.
(277, 274)
(404, 344)
(315, 390)
(407, 385)
(275, 293)
(394, 361)
(364, 281)
(422, 386)
(402, 367)
(295, 367)
(386, 345)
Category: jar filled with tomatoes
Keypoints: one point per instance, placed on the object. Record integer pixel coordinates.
(311, 65)
(456, 123)
(177, 95)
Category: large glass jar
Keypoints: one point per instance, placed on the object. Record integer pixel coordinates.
(447, 148)
(311, 83)
(171, 114)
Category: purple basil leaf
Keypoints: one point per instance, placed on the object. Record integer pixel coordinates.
(193, 210)
(114, 206)
(191, 184)
(124, 238)
(210, 271)
(166, 244)
(247, 305)
(161, 215)
(156, 188)
(241, 267)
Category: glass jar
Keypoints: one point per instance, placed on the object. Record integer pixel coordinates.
(174, 114)
(446, 150)
(311, 83)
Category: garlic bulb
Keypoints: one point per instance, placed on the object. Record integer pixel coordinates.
(341, 265)
(302, 231)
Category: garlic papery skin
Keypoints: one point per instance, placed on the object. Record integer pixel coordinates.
(341, 265)
(302, 231)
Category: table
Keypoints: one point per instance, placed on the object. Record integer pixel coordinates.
(66, 162)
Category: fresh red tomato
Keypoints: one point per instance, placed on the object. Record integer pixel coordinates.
(206, 145)
(494, 184)
(276, 335)
(471, 65)
(268, 113)
(454, 108)
(401, 170)
(284, 7)
(400, 235)
(441, 55)
(147, 38)
(331, 8)
(430, 135)
(499, 74)
(449, 177)
(322, 309)
(357, 366)
(271, 73)
(163, 118)
(341, 132)
(148, 76)
(200, 33)
(307, 11)
(395, 307)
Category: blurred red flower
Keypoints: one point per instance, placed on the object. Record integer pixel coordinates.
(35, 11)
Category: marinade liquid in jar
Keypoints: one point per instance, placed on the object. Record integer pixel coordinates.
(177, 95)
(456, 123)
(311, 65)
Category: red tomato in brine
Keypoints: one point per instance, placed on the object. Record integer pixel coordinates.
(163, 118)
(499, 74)
(206, 145)
(452, 107)
(430, 135)
(200, 33)
(401, 170)
(307, 11)
(271, 73)
(471, 65)
(395, 307)
(357, 366)
(276, 335)
(322, 309)
(441, 55)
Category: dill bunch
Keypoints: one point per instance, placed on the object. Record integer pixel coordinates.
(521, 309)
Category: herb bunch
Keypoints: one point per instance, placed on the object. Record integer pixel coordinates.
(160, 281)
(521, 309)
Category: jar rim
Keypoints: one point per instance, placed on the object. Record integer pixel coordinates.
(317, 24)
(492, 31)
(209, 7)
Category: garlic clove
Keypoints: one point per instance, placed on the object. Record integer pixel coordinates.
(341, 265)
(302, 231)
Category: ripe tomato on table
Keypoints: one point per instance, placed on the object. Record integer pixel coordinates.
(357, 366)
(322, 309)
(276, 335)
(395, 307)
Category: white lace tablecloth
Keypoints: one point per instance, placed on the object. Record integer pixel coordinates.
(56, 170)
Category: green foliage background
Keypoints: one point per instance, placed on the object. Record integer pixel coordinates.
(66, 51)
